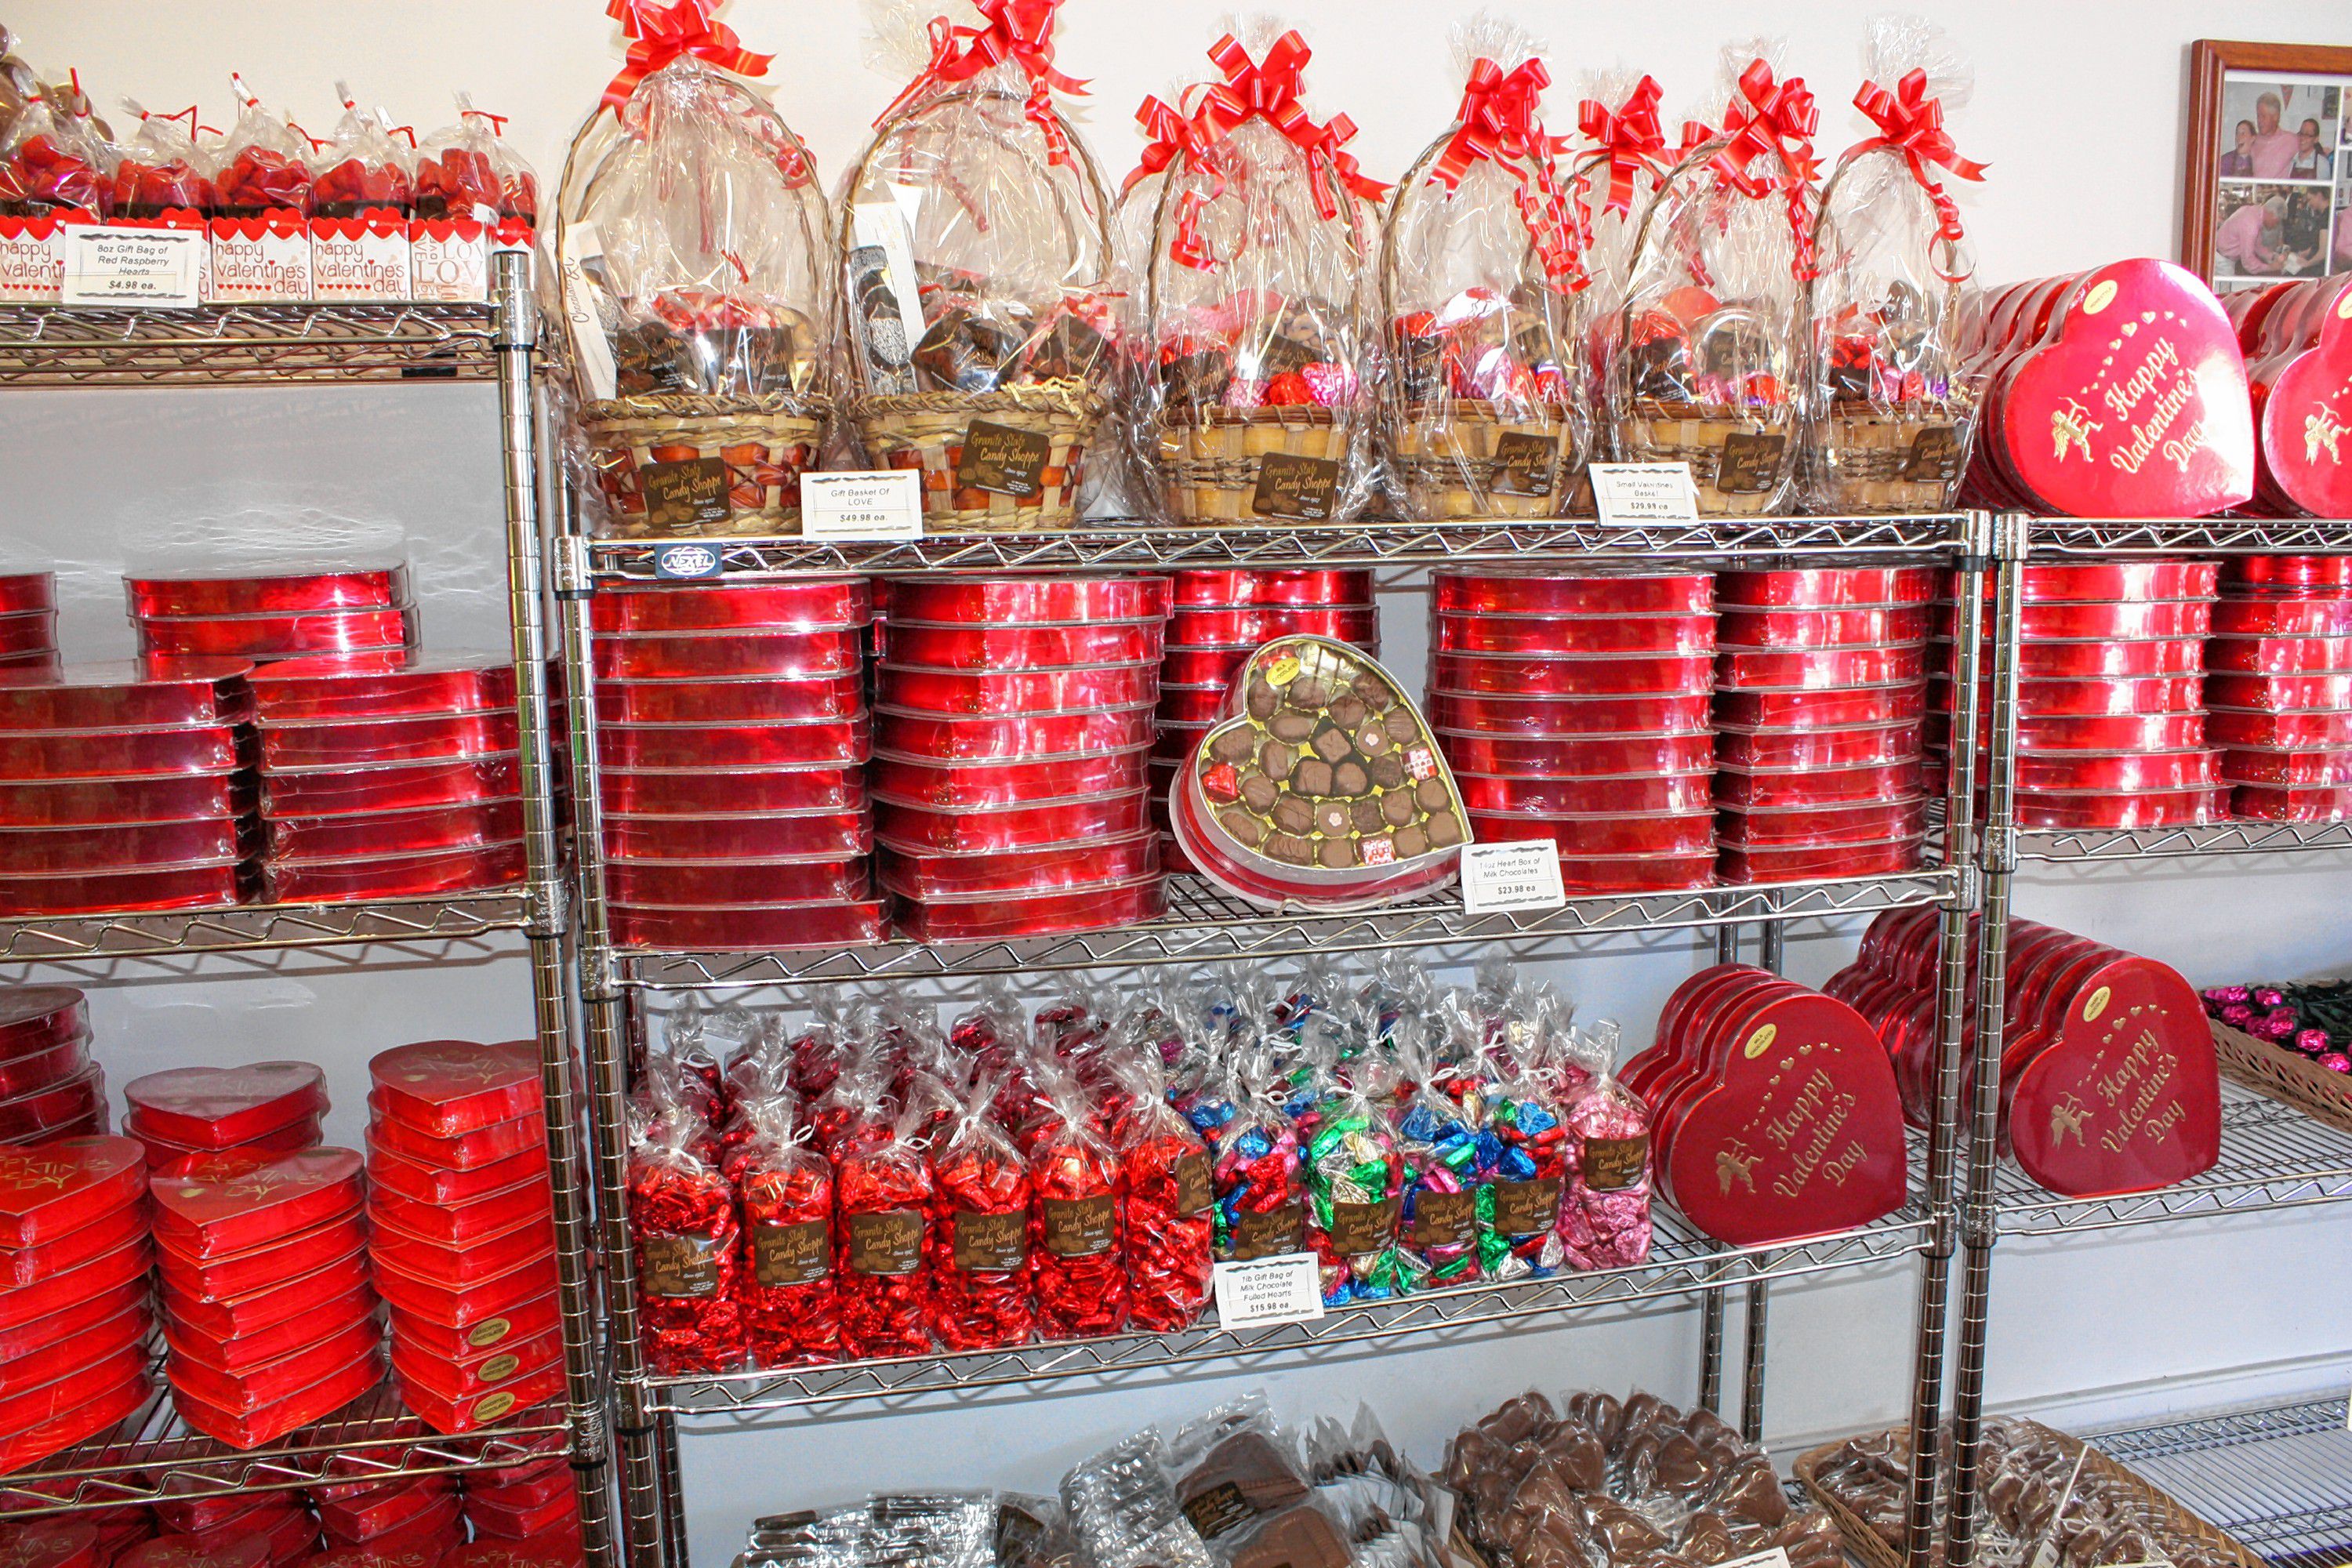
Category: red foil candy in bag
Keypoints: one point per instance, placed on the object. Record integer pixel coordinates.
(790, 1311)
(683, 1226)
(980, 1239)
(1081, 1276)
(1163, 1169)
(883, 1193)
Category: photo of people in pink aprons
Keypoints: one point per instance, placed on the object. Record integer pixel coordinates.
(2283, 169)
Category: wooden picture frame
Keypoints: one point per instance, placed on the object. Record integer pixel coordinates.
(2275, 91)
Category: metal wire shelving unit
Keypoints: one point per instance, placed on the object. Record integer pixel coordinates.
(2278, 1478)
(152, 1454)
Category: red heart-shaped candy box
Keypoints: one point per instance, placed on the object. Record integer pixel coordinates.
(216, 1108)
(49, 1189)
(222, 1205)
(449, 1088)
(2306, 418)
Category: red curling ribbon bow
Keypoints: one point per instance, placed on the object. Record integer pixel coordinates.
(1497, 121)
(1017, 30)
(659, 34)
(1631, 137)
(1778, 119)
(1912, 123)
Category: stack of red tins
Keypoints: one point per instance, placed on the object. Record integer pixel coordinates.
(388, 775)
(390, 1521)
(360, 609)
(126, 786)
(28, 620)
(265, 1289)
(273, 1530)
(1014, 717)
(535, 1503)
(2111, 728)
(1575, 709)
(462, 1233)
(1821, 683)
(1220, 619)
(2278, 686)
(73, 1292)
(48, 1086)
(262, 1109)
(731, 734)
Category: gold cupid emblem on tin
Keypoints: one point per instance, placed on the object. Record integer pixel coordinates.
(2071, 426)
(2065, 1117)
(1735, 1165)
(2321, 430)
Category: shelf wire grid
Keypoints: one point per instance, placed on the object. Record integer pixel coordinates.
(2168, 842)
(2187, 536)
(234, 345)
(2273, 1157)
(1145, 546)
(152, 1455)
(261, 928)
(1681, 1262)
(2278, 1479)
(1204, 924)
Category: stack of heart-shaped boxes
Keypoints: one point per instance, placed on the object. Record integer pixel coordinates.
(388, 775)
(28, 620)
(396, 1523)
(2111, 727)
(1012, 733)
(237, 1549)
(1740, 1055)
(462, 1231)
(126, 786)
(536, 1502)
(262, 1108)
(731, 734)
(48, 1086)
(285, 616)
(275, 1529)
(267, 1302)
(58, 1542)
(2297, 337)
(2278, 686)
(73, 1292)
(1892, 984)
(1218, 618)
(1821, 682)
(1576, 709)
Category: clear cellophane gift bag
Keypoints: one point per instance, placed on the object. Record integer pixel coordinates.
(1259, 295)
(1481, 289)
(1890, 412)
(364, 168)
(469, 167)
(162, 177)
(691, 239)
(1706, 365)
(975, 261)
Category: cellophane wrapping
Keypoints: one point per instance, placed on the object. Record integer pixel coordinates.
(1891, 414)
(1604, 1213)
(684, 1228)
(160, 171)
(363, 168)
(1615, 170)
(1482, 411)
(51, 160)
(470, 165)
(262, 165)
(979, 1241)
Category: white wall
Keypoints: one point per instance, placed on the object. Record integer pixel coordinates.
(2079, 110)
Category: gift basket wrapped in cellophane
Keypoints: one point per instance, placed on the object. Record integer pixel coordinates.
(975, 261)
(1258, 295)
(1708, 348)
(691, 244)
(1890, 415)
(1481, 285)
(1620, 156)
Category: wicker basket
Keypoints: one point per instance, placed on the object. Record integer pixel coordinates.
(1659, 432)
(1446, 457)
(927, 430)
(1213, 468)
(2284, 1075)
(762, 444)
(1863, 458)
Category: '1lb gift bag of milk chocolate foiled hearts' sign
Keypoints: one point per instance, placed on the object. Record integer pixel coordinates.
(1320, 786)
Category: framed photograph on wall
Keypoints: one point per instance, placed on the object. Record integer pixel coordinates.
(2270, 163)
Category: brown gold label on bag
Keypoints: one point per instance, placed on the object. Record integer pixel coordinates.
(1750, 465)
(890, 1242)
(1612, 1164)
(1219, 1510)
(791, 1254)
(1523, 464)
(1935, 456)
(1444, 1219)
(1523, 1208)
(1192, 1193)
(991, 1242)
(680, 1266)
(1301, 488)
(689, 496)
(1264, 1234)
(1002, 459)
(1359, 1228)
(1081, 1228)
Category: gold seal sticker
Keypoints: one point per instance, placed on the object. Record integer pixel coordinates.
(496, 1405)
(2101, 295)
(1284, 670)
(2344, 305)
(498, 1368)
(1761, 1041)
(2097, 1004)
(487, 1332)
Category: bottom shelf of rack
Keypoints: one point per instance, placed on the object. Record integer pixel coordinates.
(2279, 1478)
(154, 1455)
(1681, 1261)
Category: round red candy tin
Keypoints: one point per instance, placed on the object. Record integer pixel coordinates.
(911, 733)
(1003, 784)
(209, 885)
(2039, 811)
(2126, 618)
(386, 685)
(1193, 704)
(2081, 582)
(804, 604)
(1592, 636)
(2280, 693)
(44, 851)
(1229, 587)
(1637, 873)
(113, 754)
(2254, 765)
(766, 927)
(2122, 771)
(1808, 863)
(1816, 669)
(413, 738)
(1767, 750)
(2278, 655)
(391, 832)
(1535, 675)
(2109, 733)
(1531, 593)
(1832, 708)
(2283, 617)
(2261, 803)
(1660, 795)
(144, 694)
(2060, 697)
(815, 743)
(418, 875)
(1826, 587)
(1522, 756)
(771, 836)
(1569, 718)
(2237, 727)
(1815, 787)
(388, 786)
(450, 1086)
(1822, 824)
(1664, 833)
(1844, 626)
(1009, 692)
(2274, 572)
(703, 792)
(1086, 862)
(908, 828)
(705, 655)
(755, 700)
(980, 917)
(1012, 601)
(640, 880)
(351, 589)
(919, 646)
(279, 637)
(109, 802)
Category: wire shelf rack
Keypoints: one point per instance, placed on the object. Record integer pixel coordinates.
(2278, 1479)
(1681, 1261)
(233, 345)
(153, 1455)
(262, 927)
(2273, 1157)
(1203, 924)
(1143, 546)
(2188, 536)
(2168, 843)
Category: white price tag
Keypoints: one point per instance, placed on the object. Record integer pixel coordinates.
(154, 268)
(1521, 875)
(1770, 1557)
(1645, 492)
(1283, 1289)
(885, 504)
